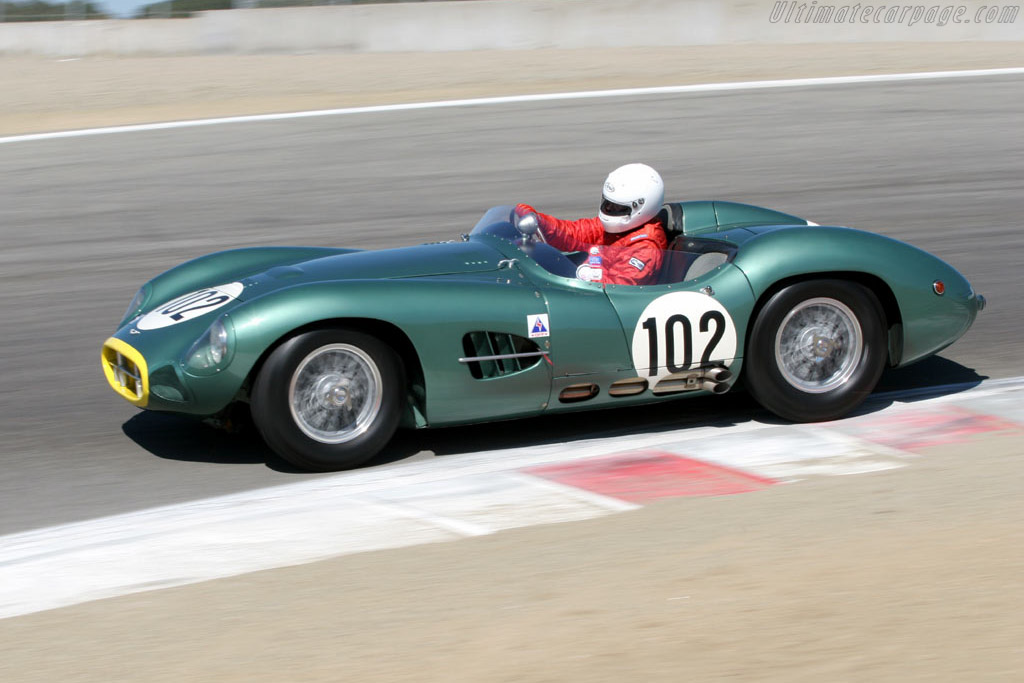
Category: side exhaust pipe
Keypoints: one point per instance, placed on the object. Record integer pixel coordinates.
(718, 374)
(717, 388)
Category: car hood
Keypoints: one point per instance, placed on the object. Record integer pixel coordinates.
(446, 258)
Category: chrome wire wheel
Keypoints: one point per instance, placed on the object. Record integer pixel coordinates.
(818, 345)
(335, 393)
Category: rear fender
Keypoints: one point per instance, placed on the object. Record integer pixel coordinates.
(929, 322)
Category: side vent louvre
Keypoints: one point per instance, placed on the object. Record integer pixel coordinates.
(495, 354)
(578, 392)
(631, 386)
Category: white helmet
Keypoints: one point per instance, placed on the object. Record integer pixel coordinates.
(633, 194)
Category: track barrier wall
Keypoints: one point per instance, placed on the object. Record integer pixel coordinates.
(516, 25)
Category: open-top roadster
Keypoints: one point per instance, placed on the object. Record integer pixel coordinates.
(333, 349)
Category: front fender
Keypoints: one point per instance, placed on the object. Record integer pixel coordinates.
(219, 268)
(434, 313)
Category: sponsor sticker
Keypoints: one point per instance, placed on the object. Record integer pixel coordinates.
(634, 238)
(589, 273)
(538, 325)
(637, 263)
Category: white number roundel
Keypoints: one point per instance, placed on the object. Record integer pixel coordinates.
(682, 331)
(191, 305)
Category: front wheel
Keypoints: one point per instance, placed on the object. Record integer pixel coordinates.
(817, 349)
(329, 399)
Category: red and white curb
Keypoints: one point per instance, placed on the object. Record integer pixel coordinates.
(472, 495)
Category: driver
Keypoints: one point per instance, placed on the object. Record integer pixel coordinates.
(625, 242)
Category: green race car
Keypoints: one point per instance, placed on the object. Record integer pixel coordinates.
(334, 349)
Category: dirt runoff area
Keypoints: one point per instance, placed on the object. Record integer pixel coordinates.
(911, 574)
(59, 94)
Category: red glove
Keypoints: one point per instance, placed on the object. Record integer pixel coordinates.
(523, 209)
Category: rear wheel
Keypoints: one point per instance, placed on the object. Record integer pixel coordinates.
(329, 399)
(817, 349)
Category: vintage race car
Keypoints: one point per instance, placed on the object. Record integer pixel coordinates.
(334, 349)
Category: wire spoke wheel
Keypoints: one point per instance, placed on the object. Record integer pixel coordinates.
(335, 393)
(816, 349)
(329, 399)
(818, 345)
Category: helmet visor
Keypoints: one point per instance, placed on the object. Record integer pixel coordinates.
(610, 208)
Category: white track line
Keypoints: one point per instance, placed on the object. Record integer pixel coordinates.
(513, 99)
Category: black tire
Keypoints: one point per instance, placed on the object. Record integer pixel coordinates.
(329, 400)
(816, 350)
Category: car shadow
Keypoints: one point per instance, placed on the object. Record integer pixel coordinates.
(928, 379)
(935, 374)
(176, 437)
(543, 430)
(180, 437)
(933, 377)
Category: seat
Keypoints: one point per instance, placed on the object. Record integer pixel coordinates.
(705, 263)
(671, 217)
(685, 261)
(674, 266)
(681, 263)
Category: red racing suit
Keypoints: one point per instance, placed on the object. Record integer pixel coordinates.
(628, 258)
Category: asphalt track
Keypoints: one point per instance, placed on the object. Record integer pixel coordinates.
(84, 221)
